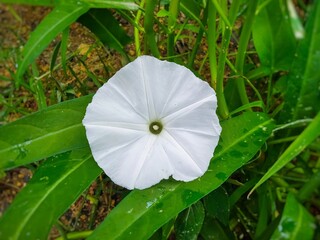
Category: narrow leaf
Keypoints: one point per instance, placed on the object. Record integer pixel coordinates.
(144, 211)
(46, 31)
(123, 4)
(102, 23)
(303, 83)
(45, 133)
(31, 2)
(57, 183)
(301, 142)
(296, 222)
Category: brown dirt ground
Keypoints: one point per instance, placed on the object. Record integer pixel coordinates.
(17, 22)
(92, 207)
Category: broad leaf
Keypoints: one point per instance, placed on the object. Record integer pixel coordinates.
(43, 134)
(142, 212)
(302, 96)
(102, 23)
(273, 37)
(296, 222)
(57, 183)
(54, 23)
(189, 222)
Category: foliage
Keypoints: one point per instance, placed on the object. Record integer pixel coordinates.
(263, 181)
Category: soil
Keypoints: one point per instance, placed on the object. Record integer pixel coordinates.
(17, 22)
(86, 55)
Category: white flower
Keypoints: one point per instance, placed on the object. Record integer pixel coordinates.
(151, 120)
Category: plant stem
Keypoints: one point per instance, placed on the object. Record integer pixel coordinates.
(136, 30)
(222, 105)
(173, 13)
(243, 43)
(212, 44)
(150, 38)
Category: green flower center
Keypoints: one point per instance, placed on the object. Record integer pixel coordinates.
(155, 127)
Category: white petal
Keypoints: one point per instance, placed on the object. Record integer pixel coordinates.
(123, 165)
(157, 166)
(117, 124)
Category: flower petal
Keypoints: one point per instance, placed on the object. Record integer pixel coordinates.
(147, 90)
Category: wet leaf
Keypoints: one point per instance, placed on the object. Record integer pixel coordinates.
(212, 229)
(143, 211)
(217, 205)
(296, 222)
(295, 148)
(303, 82)
(189, 222)
(273, 37)
(51, 131)
(57, 183)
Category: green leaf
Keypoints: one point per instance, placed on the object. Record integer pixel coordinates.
(46, 31)
(102, 23)
(123, 4)
(31, 2)
(296, 222)
(303, 83)
(192, 9)
(212, 229)
(57, 183)
(51, 131)
(273, 37)
(217, 205)
(189, 222)
(142, 212)
(295, 148)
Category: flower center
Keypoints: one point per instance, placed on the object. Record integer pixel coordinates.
(155, 127)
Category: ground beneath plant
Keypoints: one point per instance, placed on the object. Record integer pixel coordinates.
(17, 22)
(86, 55)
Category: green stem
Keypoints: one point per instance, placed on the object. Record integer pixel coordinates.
(221, 12)
(222, 105)
(269, 91)
(150, 38)
(173, 13)
(243, 43)
(136, 30)
(212, 35)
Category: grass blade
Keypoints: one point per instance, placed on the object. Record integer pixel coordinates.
(102, 23)
(47, 30)
(301, 142)
(123, 4)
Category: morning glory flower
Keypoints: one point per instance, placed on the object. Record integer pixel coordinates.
(153, 119)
